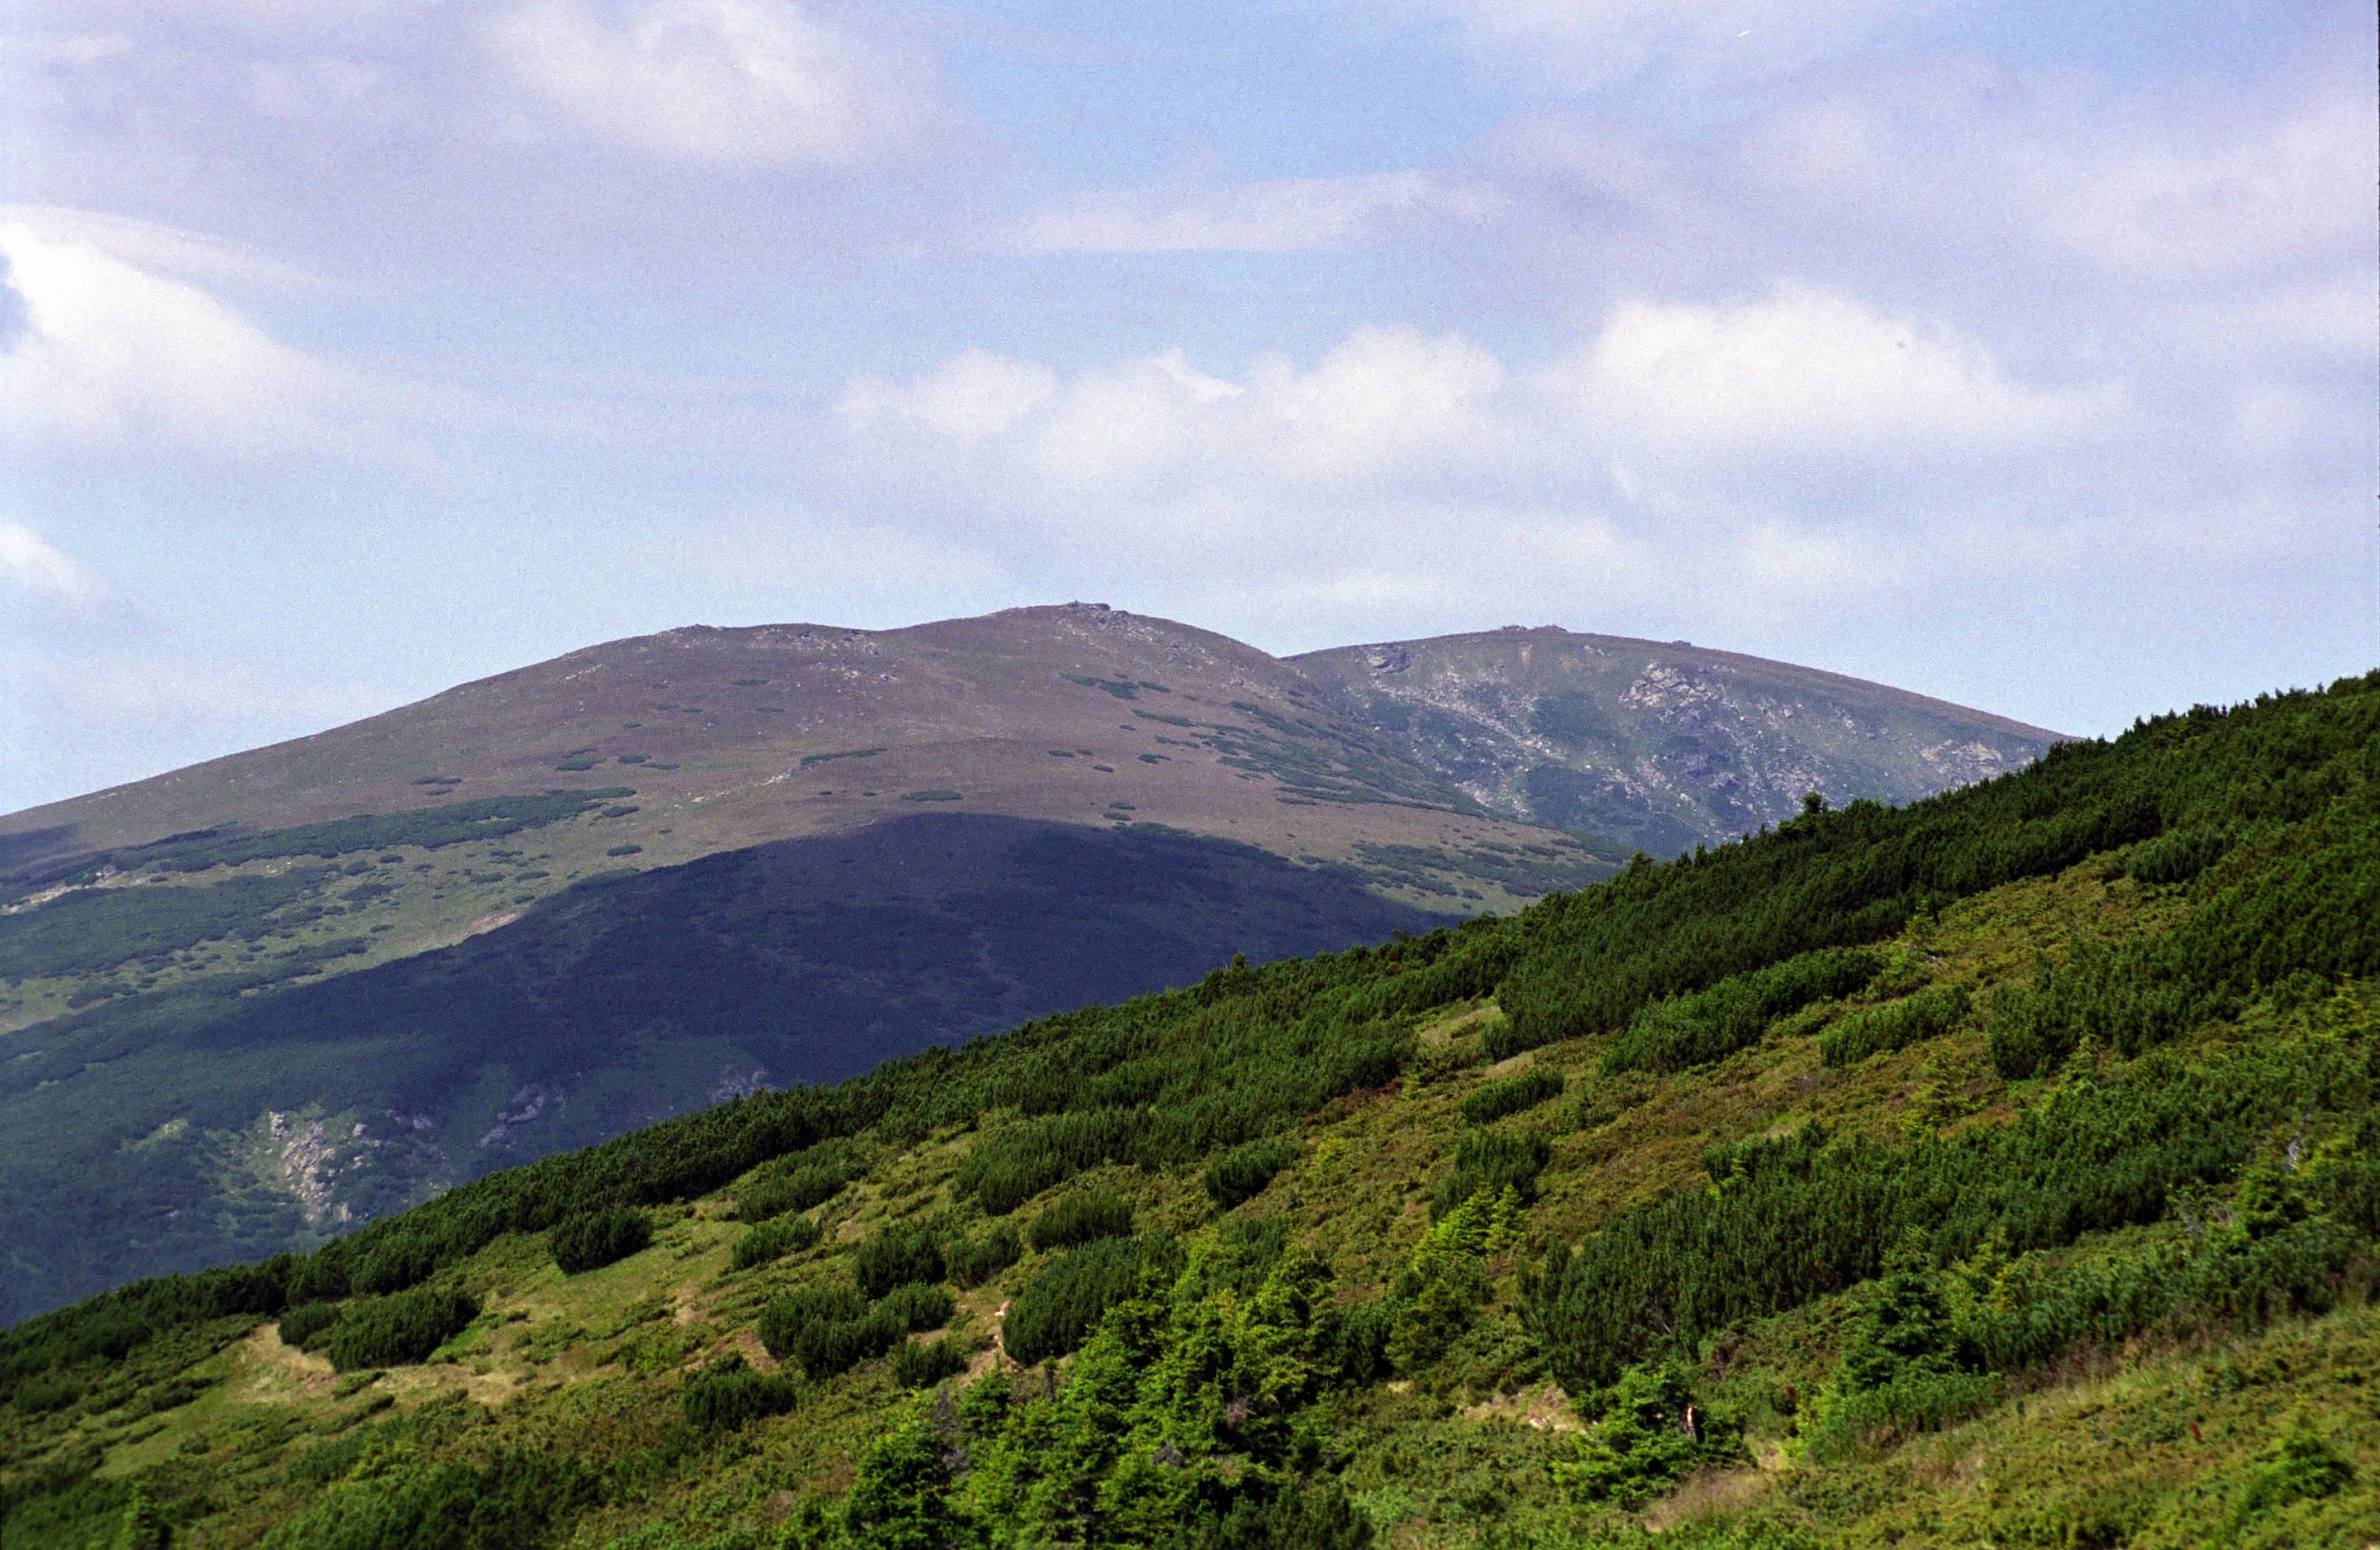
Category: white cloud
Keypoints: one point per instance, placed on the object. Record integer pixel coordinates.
(974, 395)
(1802, 378)
(1806, 372)
(35, 567)
(737, 83)
(1289, 215)
(115, 357)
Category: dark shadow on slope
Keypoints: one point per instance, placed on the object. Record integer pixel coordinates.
(610, 1005)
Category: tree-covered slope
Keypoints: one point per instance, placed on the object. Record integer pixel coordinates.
(2000, 1168)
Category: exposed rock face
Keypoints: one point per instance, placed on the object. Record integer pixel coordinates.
(1661, 746)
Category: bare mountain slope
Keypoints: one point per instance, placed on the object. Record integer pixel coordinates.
(1663, 746)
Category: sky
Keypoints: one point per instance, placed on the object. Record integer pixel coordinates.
(2021, 354)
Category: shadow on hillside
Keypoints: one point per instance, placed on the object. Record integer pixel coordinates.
(613, 1003)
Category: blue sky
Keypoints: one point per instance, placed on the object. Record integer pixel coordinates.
(2023, 355)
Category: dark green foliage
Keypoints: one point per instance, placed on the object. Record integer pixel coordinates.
(92, 929)
(1058, 1308)
(900, 1497)
(1799, 1218)
(1706, 1026)
(1081, 1217)
(518, 1501)
(594, 1239)
(40, 1395)
(897, 1257)
(1650, 1435)
(432, 828)
(1490, 1160)
(974, 1261)
(2307, 913)
(917, 1305)
(827, 1330)
(624, 850)
(1005, 1173)
(940, 794)
(797, 1189)
(728, 1394)
(1242, 1173)
(1319, 1517)
(2177, 857)
(773, 1240)
(809, 759)
(307, 1320)
(1894, 1025)
(1512, 1095)
(917, 1366)
(399, 1330)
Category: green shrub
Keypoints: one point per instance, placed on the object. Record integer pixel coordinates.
(624, 850)
(1511, 1096)
(1057, 1309)
(2177, 857)
(594, 1239)
(773, 1240)
(307, 1319)
(1081, 1217)
(1317, 1516)
(799, 1189)
(1508, 1037)
(1490, 1160)
(1242, 1173)
(918, 1305)
(518, 1500)
(1650, 1433)
(40, 1395)
(917, 1366)
(830, 1329)
(896, 1257)
(1705, 1025)
(933, 796)
(728, 1394)
(399, 1330)
(1896, 1026)
(975, 1260)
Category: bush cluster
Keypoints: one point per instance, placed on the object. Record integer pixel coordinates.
(594, 1239)
(1512, 1095)
(398, 1330)
(1242, 1173)
(773, 1240)
(974, 1261)
(1873, 1031)
(1081, 1217)
(729, 1395)
(1059, 1306)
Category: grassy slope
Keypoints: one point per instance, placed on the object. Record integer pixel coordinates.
(2155, 1439)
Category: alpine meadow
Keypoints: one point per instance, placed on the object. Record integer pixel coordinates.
(2002, 1167)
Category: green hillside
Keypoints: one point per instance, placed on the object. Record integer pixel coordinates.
(2002, 1169)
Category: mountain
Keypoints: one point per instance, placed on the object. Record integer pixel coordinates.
(251, 1004)
(2001, 1169)
(1663, 746)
